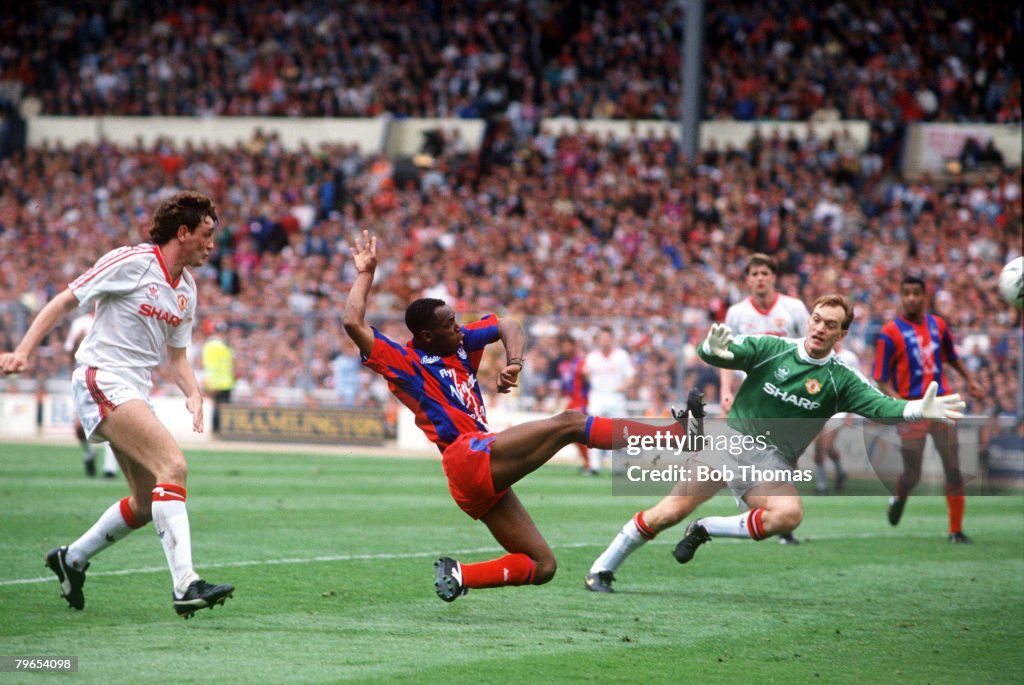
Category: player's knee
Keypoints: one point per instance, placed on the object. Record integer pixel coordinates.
(790, 518)
(544, 570)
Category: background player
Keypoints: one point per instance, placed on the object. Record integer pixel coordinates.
(609, 370)
(793, 387)
(567, 371)
(910, 354)
(145, 300)
(825, 443)
(435, 376)
(80, 327)
(765, 312)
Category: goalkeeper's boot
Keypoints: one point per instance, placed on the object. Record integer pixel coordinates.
(201, 595)
(600, 581)
(788, 539)
(895, 510)
(448, 579)
(696, 535)
(71, 579)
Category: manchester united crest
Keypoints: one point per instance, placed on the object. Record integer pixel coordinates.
(812, 385)
(182, 302)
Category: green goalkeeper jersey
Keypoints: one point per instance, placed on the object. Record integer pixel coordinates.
(788, 395)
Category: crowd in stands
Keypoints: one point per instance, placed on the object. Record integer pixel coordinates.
(566, 232)
(893, 61)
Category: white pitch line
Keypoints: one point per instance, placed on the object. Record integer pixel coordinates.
(418, 555)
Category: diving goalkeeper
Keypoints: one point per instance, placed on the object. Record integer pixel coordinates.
(793, 386)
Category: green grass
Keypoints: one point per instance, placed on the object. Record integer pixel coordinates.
(331, 557)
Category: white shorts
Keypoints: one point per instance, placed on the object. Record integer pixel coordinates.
(96, 393)
(757, 462)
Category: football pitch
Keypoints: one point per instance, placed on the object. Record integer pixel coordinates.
(332, 558)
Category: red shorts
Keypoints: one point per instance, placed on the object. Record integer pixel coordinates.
(914, 430)
(467, 464)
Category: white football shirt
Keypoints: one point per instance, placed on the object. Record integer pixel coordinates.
(607, 374)
(786, 318)
(139, 312)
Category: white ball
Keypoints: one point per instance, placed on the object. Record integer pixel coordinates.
(1011, 282)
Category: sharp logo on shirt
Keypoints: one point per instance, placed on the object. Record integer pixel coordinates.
(160, 315)
(812, 385)
(790, 398)
(182, 302)
(152, 292)
(782, 373)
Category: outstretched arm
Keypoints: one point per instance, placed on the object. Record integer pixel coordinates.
(364, 255)
(513, 338)
(48, 317)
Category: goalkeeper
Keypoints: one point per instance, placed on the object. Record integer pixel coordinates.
(793, 386)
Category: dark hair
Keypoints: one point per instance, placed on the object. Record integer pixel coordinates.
(911, 279)
(761, 259)
(187, 208)
(834, 300)
(420, 316)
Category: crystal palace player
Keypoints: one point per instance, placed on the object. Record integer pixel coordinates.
(434, 375)
(568, 372)
(145, 303)
(911, 353)
(793, 387)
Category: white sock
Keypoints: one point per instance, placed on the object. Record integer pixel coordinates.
(108, 529)
(626, 541)
(171, 521)
(595, 457)
(820, 470)
(745, 525)
(109, 460)
(822, 484)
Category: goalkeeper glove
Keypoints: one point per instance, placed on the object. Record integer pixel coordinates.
(948, 408)
(718, 341)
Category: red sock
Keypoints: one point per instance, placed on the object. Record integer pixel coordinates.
(754, 526)
(128, 515)
(646, 532)
(511, 569)
(611, 434)
(955, 505)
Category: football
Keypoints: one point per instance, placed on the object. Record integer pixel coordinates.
(1011, 282)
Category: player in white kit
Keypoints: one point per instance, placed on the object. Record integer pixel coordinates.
(765, 312)
(145, 303)
(609, 370)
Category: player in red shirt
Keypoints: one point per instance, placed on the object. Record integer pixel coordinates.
(434, 375)
(573, 386)
(911, 352)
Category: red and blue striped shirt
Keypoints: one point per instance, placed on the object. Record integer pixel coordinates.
(911, 355)
(574, 385)
(442, 392)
